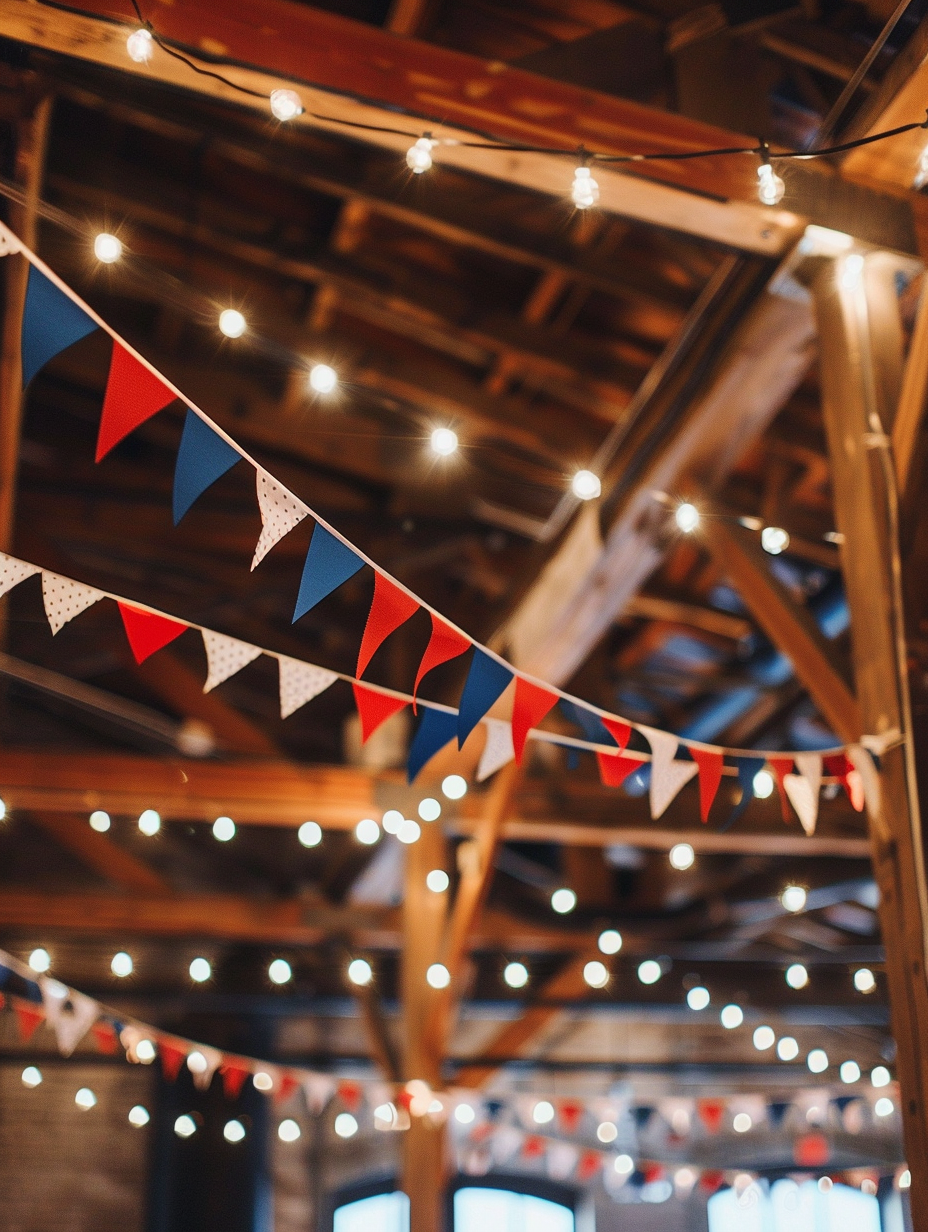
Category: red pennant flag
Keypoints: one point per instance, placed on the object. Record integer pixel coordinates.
(614, 770)
(619, 731)
(391, 608)
(374, 708)
(653, 1172)
(710, 766)
(133, 394)
(172, 1058)
(444, 644)
(840, 766)
(285, 1087)
(105, 1038)
(531, 705)
(233, 1078)
(350, 1095)
(570, 1112)
(148, 632)
(811, 1151)
(711, 1180)
(29, 1018)
(590, 1163)
(781, 767)
(533, 1147)
(710, 1113)
(403, 1099)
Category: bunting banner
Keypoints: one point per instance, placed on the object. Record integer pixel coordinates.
(667, 774)
(497, 750)
(374, 708)
(615, 769)
(710, 765)
(148, 631)
(70, 1014)
(436, 729)
(530, 705)
(52, 321)
(280, 514)
(13, 571)
(486, 681)
(391, 607)
(328, 565)
(748, 768)
(300, 682)
(203, 458)
(225, 656)
(445, 644)
(64, 599)
(134, 393)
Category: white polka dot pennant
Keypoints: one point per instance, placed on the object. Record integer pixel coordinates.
(280, 512)
(225, 656)
(300, 683)
(65, 599)
(13, 571)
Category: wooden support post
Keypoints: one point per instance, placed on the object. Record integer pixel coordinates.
(852, 329)
(423, 924)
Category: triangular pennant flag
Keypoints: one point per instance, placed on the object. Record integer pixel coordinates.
(530, 706)
(498, 750)
(390, 608)
(486, 680)
(329, 564)
(437, 728)
(748, 767)
(51, 322)
(233, 1078)
(318, 1089)
(803, 789)
(280, 513)
(13, 571)
(69, 1014)
(202, 458)
(589, 722)
(561, 1160)
(619, 731)
(350, 1094)
(615, 769)
(173, 1055)
(711, 1112)
(287, 1084)
(570, 1112)
(840, 766)
(133, 394)
(224, 657)
(710, 763)
(444, 644)
(147, 631)
(533, 1147)
(642, 1116)
(28, 1018)
(65, 599)
(300, 682)
(864, 766)
(667, 774)
(105, 1037)
(781, 767)
(776, 1113)
(590, 1163)
(374, 708)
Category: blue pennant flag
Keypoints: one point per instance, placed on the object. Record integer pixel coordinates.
(203, 456)
(589, 723)
(437, 729)
(776, 1113)
(329, 563)
(747, 768)
(51, 322)
(485, 682)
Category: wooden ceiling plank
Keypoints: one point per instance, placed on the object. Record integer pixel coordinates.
(100, 853)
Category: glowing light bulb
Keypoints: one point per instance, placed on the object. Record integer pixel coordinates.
(40, 961)
(185, 1126)
(360, 972)
(817, 1061)
(122, 965)
(419, 155)
(770, 187)
(880, 1077)
(864, 980)
(797, 976)
(438, 976)
(543, 1112)
(584, 191)
(921, 175)
(263, 1081)
(596, 974)
(233, 1131)
(322, 378)
(586, 486)
(763, 784)
(197, 1062)
(787, 1048)
(849, 1071)
(774, 539)
(649, 972)
(2, 810)
(516, 974)
(851, 269)
(367, 831)
(742, 1123)
(884, 1107)
(409, 832)
(107, 248)
(794, 898)
(563, 901)
(429, 809)
(288, 1131)
(732, 1016)
(454, 787)
(138, 1116)
(145, 1051)
(345, 1125)
(764, 1038)
(285, 105)
(141, 46)
(149, 822)
(280, 971)
(85, 1099)
(232, 323)
(200, 970)
(686, 517)
(464, 1114)
(31, 1077)
(444, 442)
(606, 1131)
(437, 881)
(905, 1179)
(698, 998)
(224, 829)
(392, 820)
(681, 856)
(310, 834)
(610, 941)
(99, 821)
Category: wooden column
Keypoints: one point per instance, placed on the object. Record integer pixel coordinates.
(423, 925)
(858, 329)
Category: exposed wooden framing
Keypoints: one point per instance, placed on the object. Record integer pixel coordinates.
(856, 416)
(100, 853)
(914, 395)
(277, 40)
(588, 581)
(738, 554)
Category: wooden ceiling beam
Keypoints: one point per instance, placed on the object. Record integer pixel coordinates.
(100, 853)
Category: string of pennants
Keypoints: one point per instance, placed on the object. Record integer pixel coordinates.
(54, 318)
(495, 1130)
(148, 630)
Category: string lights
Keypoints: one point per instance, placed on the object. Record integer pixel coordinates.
(610, 941)
(122, 965)
(797, 976)
(731, 1017)
(563, 901)
(141, 46)
(444, 442)
(200, 970)
(864, 980)
(698, 998)
(793, 898)
(787, 1048)
(367, 831)
(584, 191)
(107, 248)
(310, 834)
(149, 822)
(515, 975)
(232, 323)
(360, 972)
(586, 486)
(224, 829)
(280, 971)
(285, 105)
(649, 972)
(454, 786)
(40, 961)
(817, 1061)
(681, 856)
(322, 379)
(419, 155)
(99, 821)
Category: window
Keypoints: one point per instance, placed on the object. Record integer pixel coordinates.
(789, 1207)
(477, 1210)
(384, 1212)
